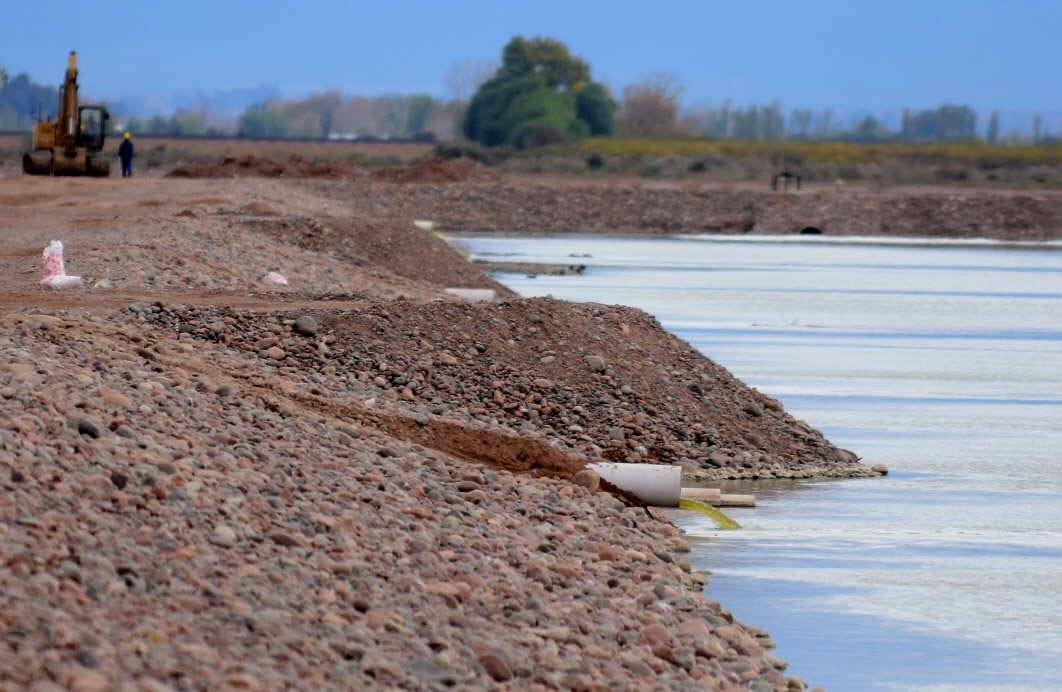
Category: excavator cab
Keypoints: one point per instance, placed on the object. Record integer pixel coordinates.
(93, 127)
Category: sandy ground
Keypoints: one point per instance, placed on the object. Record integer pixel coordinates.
(354, 481)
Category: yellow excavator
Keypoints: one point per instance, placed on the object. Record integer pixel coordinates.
(72, 144)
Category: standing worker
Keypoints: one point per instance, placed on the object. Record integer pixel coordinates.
(125, 153)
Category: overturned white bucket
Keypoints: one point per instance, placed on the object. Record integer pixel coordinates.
(658, 485)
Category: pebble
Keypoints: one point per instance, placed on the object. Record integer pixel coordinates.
(497, 664)
(88, 428)
(223, 536)
(305, 326)
(596, 363)
(119, 479)
(115, 398)
(88, 681)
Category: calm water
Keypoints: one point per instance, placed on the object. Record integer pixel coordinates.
(942, 362)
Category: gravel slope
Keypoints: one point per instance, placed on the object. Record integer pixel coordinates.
(351, 482)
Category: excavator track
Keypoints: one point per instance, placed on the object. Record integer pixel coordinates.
(37, 162)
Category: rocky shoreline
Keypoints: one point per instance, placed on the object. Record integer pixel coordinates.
(353, 480)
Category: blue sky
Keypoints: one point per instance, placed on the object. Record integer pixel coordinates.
(806, 53)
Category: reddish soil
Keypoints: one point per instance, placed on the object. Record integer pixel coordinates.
(255, 167)
(459, 170)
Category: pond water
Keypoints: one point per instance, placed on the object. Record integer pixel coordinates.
(942, 361)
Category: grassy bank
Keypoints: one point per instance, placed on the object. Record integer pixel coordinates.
(971, 163)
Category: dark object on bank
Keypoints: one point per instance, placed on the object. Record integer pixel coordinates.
(785, 176)
(595, 162)
(810, 230)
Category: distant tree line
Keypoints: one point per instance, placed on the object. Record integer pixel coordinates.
(330, 116)
(184, 123)
(21, 99)
(538, 94)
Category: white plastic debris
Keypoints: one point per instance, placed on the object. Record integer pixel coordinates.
(275, 278)
(424, 224)
(55, 275)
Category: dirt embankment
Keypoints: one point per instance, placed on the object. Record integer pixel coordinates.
(351, 481)
(600, 382)
(533, 206)
(256, 167)
(250, 166)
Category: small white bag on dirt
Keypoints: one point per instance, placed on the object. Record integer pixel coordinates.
(54, 272)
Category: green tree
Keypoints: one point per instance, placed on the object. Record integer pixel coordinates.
(548, 58)
(540, 94)
(595, 107)
(260, 121)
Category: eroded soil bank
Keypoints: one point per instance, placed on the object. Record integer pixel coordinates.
(210, 480)
(538, 205)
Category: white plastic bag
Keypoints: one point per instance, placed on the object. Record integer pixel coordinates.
(55, 275)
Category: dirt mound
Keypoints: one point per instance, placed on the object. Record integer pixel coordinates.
(258, 167)
(592, 380)
(438, 171)
(396, 247)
